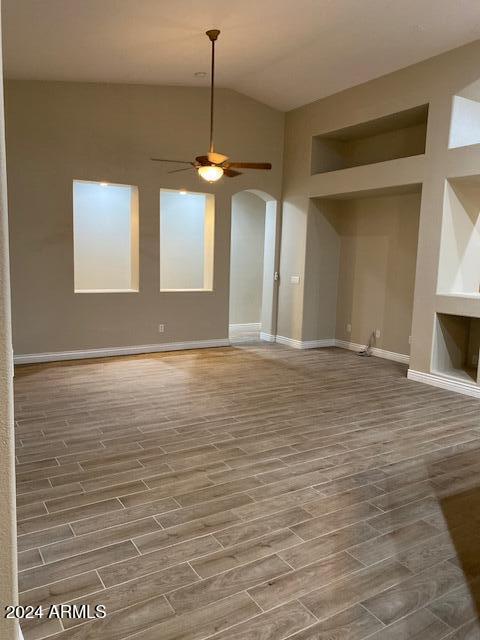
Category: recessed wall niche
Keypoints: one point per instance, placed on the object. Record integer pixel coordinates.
(105, 237)
(397, 135)
(459, 268)
(456, 347)
(363, 250)
(187, 226)
(465, 118)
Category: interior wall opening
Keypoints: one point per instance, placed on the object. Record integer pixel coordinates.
(252, 266)
(246, 266)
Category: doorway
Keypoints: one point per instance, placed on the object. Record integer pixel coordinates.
(253, 267)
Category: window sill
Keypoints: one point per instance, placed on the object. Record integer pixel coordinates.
(106, 291)
(186, 290)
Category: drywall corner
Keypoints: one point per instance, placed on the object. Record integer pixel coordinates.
(8, 548)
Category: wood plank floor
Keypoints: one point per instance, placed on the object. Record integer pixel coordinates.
(247, 493)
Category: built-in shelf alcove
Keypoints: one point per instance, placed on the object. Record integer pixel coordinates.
(456, 347)
(397, 135)
(363, 250)
(465, 118)
(459, 268)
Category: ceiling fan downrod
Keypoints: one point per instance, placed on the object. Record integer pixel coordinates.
(212, 166)
(213, 36)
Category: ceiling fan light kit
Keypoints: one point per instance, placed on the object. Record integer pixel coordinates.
(213, 166)
(210, 173)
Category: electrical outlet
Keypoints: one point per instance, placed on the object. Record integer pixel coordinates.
(377, 333)
(294, 279)
(349, 328)
(409, 339)
(161, 328)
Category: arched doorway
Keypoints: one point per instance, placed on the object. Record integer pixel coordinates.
(253, 267)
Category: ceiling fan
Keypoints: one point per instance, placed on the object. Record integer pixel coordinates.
(213, 166)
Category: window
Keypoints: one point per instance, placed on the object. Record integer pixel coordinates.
(105, 231)
(186, 240)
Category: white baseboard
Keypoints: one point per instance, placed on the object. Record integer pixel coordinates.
(351, 346)
(390, 355)
(305, 344)
(267, 337)
(444, 382)
(342, 344)
(248, 326)
(30, 358)
(289, 342)
(375, 351)
(318, 344)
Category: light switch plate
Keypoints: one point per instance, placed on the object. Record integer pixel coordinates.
(294, 279)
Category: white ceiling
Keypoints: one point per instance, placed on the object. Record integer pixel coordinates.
(282, 52)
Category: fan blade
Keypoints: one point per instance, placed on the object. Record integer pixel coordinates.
(178, 170)
(176, 161)
(203, 160)
(216, 158)
(249, 165)
(230, 173)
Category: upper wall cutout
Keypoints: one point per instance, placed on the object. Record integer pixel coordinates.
(397, 135)
(465, 120)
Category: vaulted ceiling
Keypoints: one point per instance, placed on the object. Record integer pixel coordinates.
(282, 52)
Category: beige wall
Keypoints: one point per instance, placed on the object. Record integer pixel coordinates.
(292, 263)
(246, 258)
(378, 246)
(8, 530)
(58, 132)
(435, 81)
(322, 266)
(271, 266)
(360, 257)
